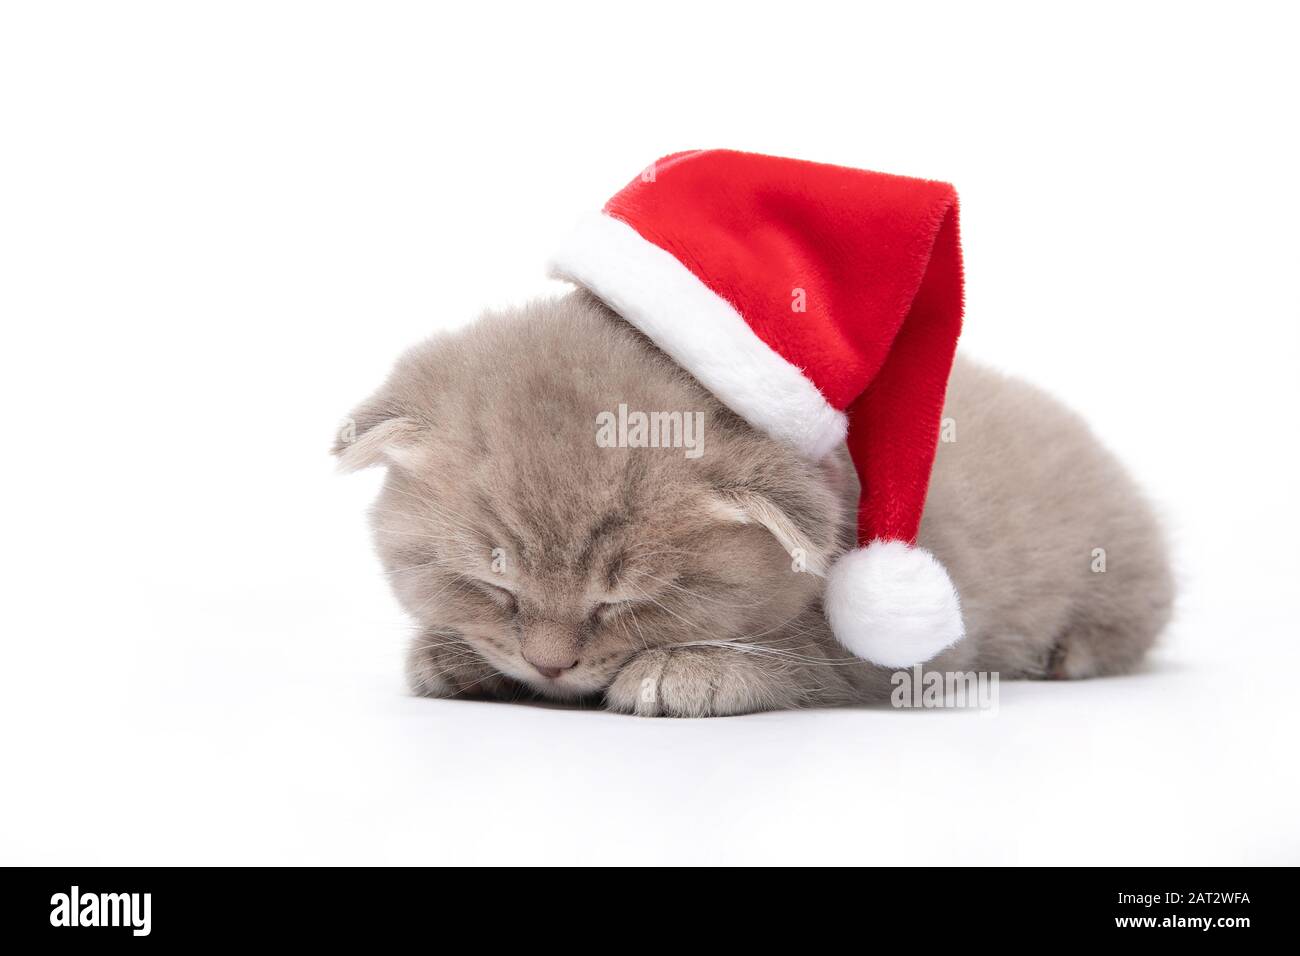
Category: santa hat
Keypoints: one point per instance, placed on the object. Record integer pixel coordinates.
(820, 304)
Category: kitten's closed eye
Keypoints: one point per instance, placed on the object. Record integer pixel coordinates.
(606, 611)
(502, 597)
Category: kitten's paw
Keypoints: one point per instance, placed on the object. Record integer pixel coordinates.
(692, 682)
(442, 666)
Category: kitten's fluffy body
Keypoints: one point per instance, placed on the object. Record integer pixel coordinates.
(538, 562)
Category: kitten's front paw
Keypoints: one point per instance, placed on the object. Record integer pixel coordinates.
(439, 665)
(692, 682)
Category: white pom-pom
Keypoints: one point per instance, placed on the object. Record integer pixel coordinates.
(892, 604)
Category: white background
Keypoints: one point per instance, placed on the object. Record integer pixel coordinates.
(219, 224)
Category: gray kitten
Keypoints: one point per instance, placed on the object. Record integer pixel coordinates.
(538, 562)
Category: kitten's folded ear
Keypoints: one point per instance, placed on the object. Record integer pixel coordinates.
(745, 507)
(805, 508)
(379, 434)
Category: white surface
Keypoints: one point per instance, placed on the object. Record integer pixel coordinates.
(219, 227)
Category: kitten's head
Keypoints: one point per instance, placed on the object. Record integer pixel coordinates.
(509, 522)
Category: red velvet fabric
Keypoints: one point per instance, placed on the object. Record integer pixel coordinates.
(878, 258)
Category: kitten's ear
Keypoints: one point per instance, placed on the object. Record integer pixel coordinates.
(375, 434)
(806, 507)
(747, 507)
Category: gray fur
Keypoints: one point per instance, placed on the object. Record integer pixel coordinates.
(662, 585)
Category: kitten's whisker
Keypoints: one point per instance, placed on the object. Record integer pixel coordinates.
(445, 589)
(644, 596)
(745, 647)
(698, 595)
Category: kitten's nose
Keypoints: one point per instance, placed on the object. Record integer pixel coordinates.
(551, 668)
(550, 646)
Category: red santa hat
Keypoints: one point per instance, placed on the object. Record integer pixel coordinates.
(821, 304)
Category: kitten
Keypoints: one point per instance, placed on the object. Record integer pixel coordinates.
(539, 561)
